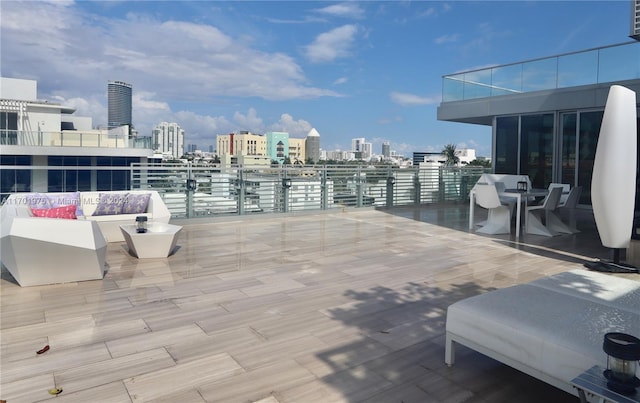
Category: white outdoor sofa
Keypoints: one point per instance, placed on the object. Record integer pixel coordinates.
(39, 251)
(551, 328)
(156, 210)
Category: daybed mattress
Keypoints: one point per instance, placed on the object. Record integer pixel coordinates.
(550, 328)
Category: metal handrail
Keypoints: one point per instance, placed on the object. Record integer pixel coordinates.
(72, 138)
(196, 190)
(605, 64)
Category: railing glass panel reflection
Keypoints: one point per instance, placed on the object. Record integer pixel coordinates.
(191, 190)
(594, 66)
(72, 138)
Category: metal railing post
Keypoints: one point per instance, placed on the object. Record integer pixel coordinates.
(441, 185)
(359, 187)
(417, 188)
(240, 190)
(190, 188)
(324, 203)
(390, 182)
(286, 184)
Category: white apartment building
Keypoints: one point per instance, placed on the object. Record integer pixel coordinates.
(47, 135)
(359, 145)
(168, 139)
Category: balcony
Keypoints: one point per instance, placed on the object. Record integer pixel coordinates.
(341, 305)
(614, 63)
(193, 190)
(72, 138)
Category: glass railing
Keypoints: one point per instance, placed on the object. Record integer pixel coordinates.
(72, 138)
(191, 191)
(595, 66)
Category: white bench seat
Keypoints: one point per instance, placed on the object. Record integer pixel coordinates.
(552, 328)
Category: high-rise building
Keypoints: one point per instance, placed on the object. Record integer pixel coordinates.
(635, 20)
(168, 138)
(386, 149)
(97, 157)
(119, 104)
(361, 148)
(356, 144)
(313, 145)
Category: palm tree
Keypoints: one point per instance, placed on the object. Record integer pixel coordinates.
(449, 152)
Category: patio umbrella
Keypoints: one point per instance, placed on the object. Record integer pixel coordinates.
(613, 184)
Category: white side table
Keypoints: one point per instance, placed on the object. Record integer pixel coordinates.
(592, 384)
(159, 240)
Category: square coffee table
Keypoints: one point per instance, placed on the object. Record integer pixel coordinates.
(159, 240)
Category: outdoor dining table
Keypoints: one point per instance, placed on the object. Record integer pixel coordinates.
(521, 196)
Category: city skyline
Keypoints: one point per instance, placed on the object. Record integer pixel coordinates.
(349, 70)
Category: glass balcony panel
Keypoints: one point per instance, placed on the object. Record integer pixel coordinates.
(507, 80)
(619, 63)
(453, 88)
(71, 139)
(607, 64)
(539, 75)
(578, 69)
(28, 139)
(477, 84)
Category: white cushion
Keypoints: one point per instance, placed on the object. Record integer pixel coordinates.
(554, 326)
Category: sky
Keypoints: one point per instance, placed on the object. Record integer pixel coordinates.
(348, 69)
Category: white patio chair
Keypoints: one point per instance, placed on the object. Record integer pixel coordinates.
(506, 200)
(552, 224)
(499, 216)
(566, 188)
(569, 206)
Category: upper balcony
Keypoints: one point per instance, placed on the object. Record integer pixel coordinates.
(594, 66)
(100, 142)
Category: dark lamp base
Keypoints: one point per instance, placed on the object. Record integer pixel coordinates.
(624, 388)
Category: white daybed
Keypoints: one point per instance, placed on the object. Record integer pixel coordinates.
(551, 328)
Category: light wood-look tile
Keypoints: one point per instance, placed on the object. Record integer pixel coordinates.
(335, 306)
(181, 377)
(113, 370)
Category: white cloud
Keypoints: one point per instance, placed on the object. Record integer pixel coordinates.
(388, 121)
(447, 39)
(406, 99)
(340, 80)
(165, 61)
(428, 12)
(202, 129)
(295, 128)
(348, 10)
(144, 100)
(251, 121)
(178, 60)
(332, 45)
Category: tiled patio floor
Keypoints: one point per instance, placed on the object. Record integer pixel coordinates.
(339, 306)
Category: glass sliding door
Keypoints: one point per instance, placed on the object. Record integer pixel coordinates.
(569, 146)
(506, 153)
(536, 148)
(588, 132)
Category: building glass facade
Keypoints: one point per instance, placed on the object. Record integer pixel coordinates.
(119, 102)
(12, 179)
